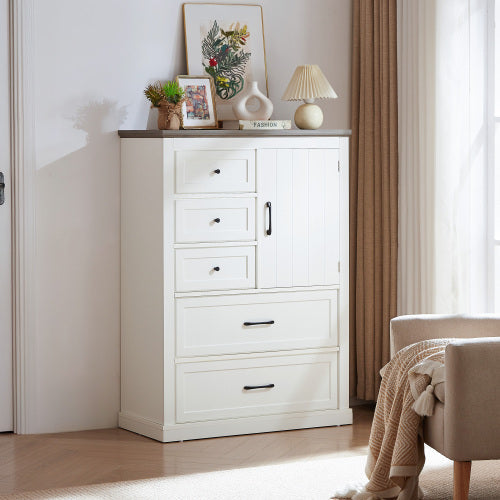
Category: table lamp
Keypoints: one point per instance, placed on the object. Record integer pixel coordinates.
(308, 83)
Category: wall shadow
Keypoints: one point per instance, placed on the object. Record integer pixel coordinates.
(78, 254)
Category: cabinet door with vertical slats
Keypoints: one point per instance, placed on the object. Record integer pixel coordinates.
(298, 217)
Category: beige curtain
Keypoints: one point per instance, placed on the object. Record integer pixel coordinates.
(373, 191)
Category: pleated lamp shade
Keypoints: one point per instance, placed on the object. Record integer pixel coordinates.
(308, 82)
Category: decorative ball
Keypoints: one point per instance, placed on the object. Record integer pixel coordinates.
(309, 116)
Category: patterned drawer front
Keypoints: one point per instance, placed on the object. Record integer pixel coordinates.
(260, 386)
(215, 171)
(256, 322)
(214, 219)
(214, 268)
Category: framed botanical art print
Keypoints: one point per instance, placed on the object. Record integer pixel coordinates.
(198, 109)
(226, 42)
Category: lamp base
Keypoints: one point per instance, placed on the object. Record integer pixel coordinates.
(308, 116)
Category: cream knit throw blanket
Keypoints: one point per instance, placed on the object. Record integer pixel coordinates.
(396, 449)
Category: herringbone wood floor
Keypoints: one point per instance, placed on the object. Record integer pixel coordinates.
(91, 457)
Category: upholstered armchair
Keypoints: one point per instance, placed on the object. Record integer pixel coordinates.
(466, 426)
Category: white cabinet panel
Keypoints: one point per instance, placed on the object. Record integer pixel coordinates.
(214, 268)
(283, 218)
(226, 389)
(267, 265)
(303, 189)
(231, 171)
(255, 323)
(214, 220)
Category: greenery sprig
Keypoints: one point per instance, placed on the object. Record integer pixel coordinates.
(154, 93)
(173, 92)
(170, 92)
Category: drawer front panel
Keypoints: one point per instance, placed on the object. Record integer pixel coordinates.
(215, 171)
(291, 320)
(224, 268)
(225, 389)
(214, 219)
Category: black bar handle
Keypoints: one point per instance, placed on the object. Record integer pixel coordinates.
(217, 220)
(216, 268)
(270, 228)
(2, 187)
(252, 323)
(252, 387)
(217, 171)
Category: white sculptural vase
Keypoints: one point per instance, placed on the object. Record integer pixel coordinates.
(241, 110)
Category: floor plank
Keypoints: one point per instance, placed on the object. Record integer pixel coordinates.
(91, 457)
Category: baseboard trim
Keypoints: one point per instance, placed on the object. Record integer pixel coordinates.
(141, 425)
(233, 426)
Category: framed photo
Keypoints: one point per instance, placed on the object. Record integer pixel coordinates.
(198, 110)
(226, 42)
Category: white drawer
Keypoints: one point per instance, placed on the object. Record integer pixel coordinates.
(290, 320)
(221, 268)
(224, 389)
(215, 171)
(214, 219)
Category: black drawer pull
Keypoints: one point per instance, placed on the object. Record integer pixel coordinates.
(216, 268)
(270, 228)
(217, 220)
(252, 323)
(252, 387)
(217, 171)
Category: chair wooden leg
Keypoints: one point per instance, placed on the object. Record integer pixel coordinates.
(461, 480)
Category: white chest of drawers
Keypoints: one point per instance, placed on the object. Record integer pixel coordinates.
(234, 285)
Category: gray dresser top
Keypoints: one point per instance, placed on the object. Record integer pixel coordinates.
(231, 133)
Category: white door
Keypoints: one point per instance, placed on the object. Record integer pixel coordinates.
(298, 217)
(6, 407)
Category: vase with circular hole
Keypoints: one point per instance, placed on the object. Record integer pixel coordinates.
(240, 108)
(169, 115)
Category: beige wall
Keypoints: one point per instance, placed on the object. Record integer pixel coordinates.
(92, 61)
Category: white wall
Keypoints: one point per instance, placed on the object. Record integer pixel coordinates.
(92, 62)
(6, 407)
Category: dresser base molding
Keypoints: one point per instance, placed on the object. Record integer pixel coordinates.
(233, 426)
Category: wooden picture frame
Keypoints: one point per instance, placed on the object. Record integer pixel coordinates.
(226, 41)
(199, 108)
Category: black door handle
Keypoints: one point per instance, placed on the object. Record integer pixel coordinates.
(216, 268)
(270, 228)
(252, 323)
(2, 187)
(217, 220)
(252, 387)
(217, 171)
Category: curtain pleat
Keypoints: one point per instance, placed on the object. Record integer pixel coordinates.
(373, 191)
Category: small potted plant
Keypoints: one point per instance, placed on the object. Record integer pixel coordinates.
(168, 99)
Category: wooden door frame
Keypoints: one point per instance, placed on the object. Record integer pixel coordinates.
(22, 126)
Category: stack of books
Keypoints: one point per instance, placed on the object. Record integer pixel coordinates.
(265, 124)
(256, 124)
